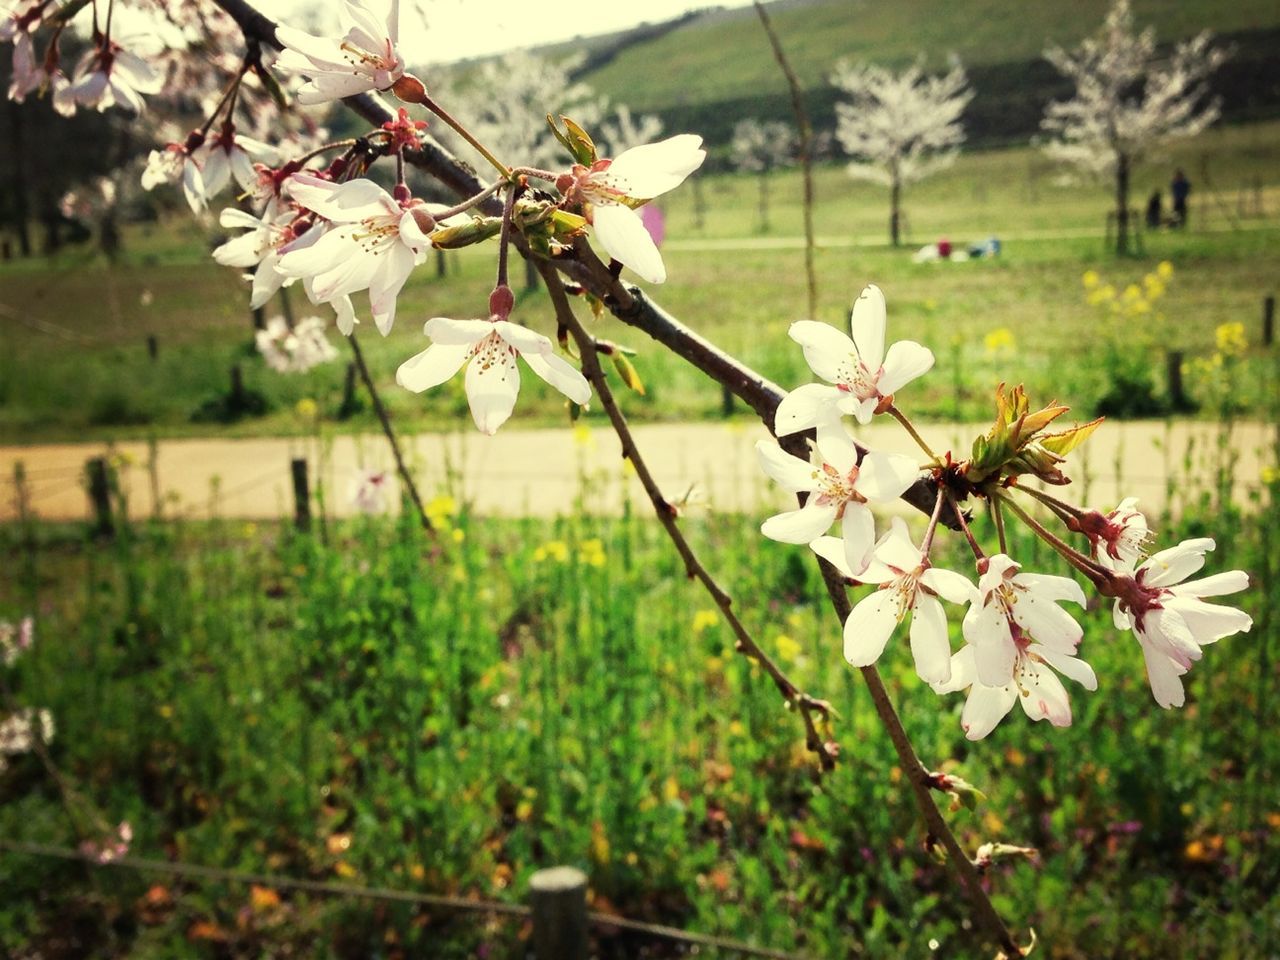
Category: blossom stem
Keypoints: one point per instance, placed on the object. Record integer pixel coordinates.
(466, 135)
(227, 94)
(405, 476)
(898, 415)
(964, 525)
(504, 238)
(466, 205)
(336, 145)
(534, 172)
(807, 706)
(1060, 507)
(400, 168)
(998, 517)
(927, 544)
(1096, 573)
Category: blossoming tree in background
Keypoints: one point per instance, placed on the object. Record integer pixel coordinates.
(899, 127)
(761, 147)
(1128, 102)
(570, 208)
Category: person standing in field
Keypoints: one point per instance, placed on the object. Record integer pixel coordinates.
(1180, 188)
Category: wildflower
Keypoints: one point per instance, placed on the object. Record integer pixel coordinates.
(1090, 279)
(1013, 610)
(374, 243)
(364, 59)
(1164, 269)
(609, 191)
(839, 487)
(488, 349)
(369, 491)
(1119, 537)
(15, 640)
(863, 375)
(907, 583)
(1230, 338)
(1170, 618)
(999, 341)
(1032, 683)
(704, 619)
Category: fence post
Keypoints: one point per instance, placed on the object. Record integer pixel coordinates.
(100, 497)
(558, 897)
(726, 401)
(350, 405)
(1177, 395)
(153, 346)
(1268, 320)
(301, 495)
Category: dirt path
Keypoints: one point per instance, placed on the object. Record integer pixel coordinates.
(543, 472)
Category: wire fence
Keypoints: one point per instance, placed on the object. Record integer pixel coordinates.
(178, 868)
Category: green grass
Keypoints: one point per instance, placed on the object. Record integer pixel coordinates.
(451, 719)
(74, 363)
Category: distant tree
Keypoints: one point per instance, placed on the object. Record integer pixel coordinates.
(625, 130)
(899, 127)
(760, 148)
(1127, 103)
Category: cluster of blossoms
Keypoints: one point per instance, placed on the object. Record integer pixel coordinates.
(1017, 636)
(112, 847)
(297, 348)
(19, 730)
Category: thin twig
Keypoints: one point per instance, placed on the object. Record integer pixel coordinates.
(805, 130)
(807, 706)
(401, 467)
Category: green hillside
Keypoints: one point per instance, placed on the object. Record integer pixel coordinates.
(708, 71)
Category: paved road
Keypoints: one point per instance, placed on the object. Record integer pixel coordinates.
(541, 472)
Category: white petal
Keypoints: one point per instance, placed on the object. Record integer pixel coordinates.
(1046, 622)
(387, 283)
(1046, 697)
(831, 549)
(267, 280)
(886, 476)
(836, 448)
(493, 383)
(1068, 666)
(987, 629)
(859, 532)
(964, 672)
(650, 170)
(216, 171)
(565, 378)
(342, 202)
(1165, 678)
(1220, 584)
(805, 407)
(949, 585)
(523, 339)
(794, 474)
(1209, 621)
(930, 645)
(1050, 587)
(449, 332)
(985, 708)
(624, 236)
(895, 547)
(1166, 632)
(905, 361)
(432, 367)
(869, 626)
(829, 353)
(345, 315)
(1175, 564)
(799, 526)
(867, 323)
(1121, 618)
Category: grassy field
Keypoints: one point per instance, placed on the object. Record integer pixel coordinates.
(75, 365)
(368, 710)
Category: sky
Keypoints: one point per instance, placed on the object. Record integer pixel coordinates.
(458, 29)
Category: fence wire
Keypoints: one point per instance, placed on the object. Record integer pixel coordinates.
(180, 868)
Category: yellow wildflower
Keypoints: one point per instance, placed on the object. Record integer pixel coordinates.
(999, 341)
(1230, 338)
(1164, 270)
(1090, 279)
(704, 619)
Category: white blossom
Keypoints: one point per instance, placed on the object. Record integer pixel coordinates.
(110, 76)
(364, 59)
(295, 349)
(1170, 617)
(370, 491)
(861, 372)
(265, 241)
(172, 164)
(15, 639)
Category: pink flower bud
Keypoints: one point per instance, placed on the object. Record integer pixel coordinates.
(501, 302)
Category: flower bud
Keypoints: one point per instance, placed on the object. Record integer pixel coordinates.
(410, 89)
(422, 217)
(501, 302)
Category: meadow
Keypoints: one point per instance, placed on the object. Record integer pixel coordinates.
(374, 708)
(75, 361)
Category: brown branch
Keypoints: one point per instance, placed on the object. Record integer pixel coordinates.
(401, 467)
(805, 130)
(807, 706)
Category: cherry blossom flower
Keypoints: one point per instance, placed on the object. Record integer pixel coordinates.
(609, 191)
(370, 491)
(1015, 609)
(1119, 537)
(227, 155)
(295, 349)
(839, 488)
(373, 244)
(1170, 617)
(19, 730)
(1033, 684)
(172, 164)
(110, 76)
(863, 375)
(265, 241)
(488, 349)
(364, 59)
(112, 848)
(907, 583)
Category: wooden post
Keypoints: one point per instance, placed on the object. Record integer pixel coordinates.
(559, 900)
(153, 476)
(1177, 396)
(235, 400)
(153, 346)
(100, 497)
(301, 495)
(726, 401)
(1268, 320)
(349, 402)
(442, 263)
(259, 318)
